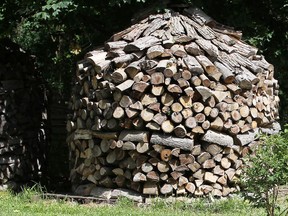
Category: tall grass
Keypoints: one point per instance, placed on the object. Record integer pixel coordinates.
(29, 202)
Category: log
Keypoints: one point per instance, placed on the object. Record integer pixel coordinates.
(119, 75)
(140, 86)
(186, 101)
(154, 51)
(128, 146)
(186, 113)
(167, 99)
(148, 99)
(167, 126)
(166, 189)
(150, 188)
(218, 138)
(180, 131)
(141, 44)
(157, 90)
(134, 136)
(176, 107)
(227, 76)
(157, 78)
(198, 107)
(178, 50)
(163, 167)
(204, 92)
(193, 65)
(142, 147)
(99, 61)
(206, 45)
(147, 115)
(174, 142)
(211, 70)
(225, 163)
(170, 71)
(204, 156)
(245, 139)
(165, 154)
(193, 49)
(210, 177)
(176, 117)
(173, 88)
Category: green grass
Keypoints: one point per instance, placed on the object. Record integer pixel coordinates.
(26, 204)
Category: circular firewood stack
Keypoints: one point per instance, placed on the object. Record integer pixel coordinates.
(170, 106)
(22, 136)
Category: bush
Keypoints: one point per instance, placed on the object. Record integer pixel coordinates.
(266, 169)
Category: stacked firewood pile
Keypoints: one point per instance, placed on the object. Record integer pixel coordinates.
(170, 106)
(22, 136)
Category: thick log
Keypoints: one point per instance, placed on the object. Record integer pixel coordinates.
(176, 107)
(193, 65)
(171, 70)
(134, 136)
(99, 61)
(173, 88)
(119, 75)
(180, 131)
(204, 92)
(148, 99)
(206, 45)
(218, 138)
(186, 101)
(166, 189)
(157, 90)
(211, 70)
(140, 86)
(176, 117)
(163, 166)
(186, 113)
(141, 44)
(193, 49)
(154, 51)
(125, 85)
(227, 76)
(147, 115)
(245, 139)
(167, 126)
(225, 163)
(178, 50)
(163, 64)
(157, 78)
(174, 142)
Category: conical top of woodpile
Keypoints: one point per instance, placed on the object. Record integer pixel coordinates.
(184, 95)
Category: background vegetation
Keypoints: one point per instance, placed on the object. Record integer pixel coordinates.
(59, 32)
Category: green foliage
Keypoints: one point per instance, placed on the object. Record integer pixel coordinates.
(266, 170)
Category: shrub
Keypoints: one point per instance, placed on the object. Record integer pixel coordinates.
(266, 169)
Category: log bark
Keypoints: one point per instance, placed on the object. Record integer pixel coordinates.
(174, 142)
(218, 138)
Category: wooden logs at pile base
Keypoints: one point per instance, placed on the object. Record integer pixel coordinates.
(22, 116)
(169, 106)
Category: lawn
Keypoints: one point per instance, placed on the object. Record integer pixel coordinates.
(26, 204)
